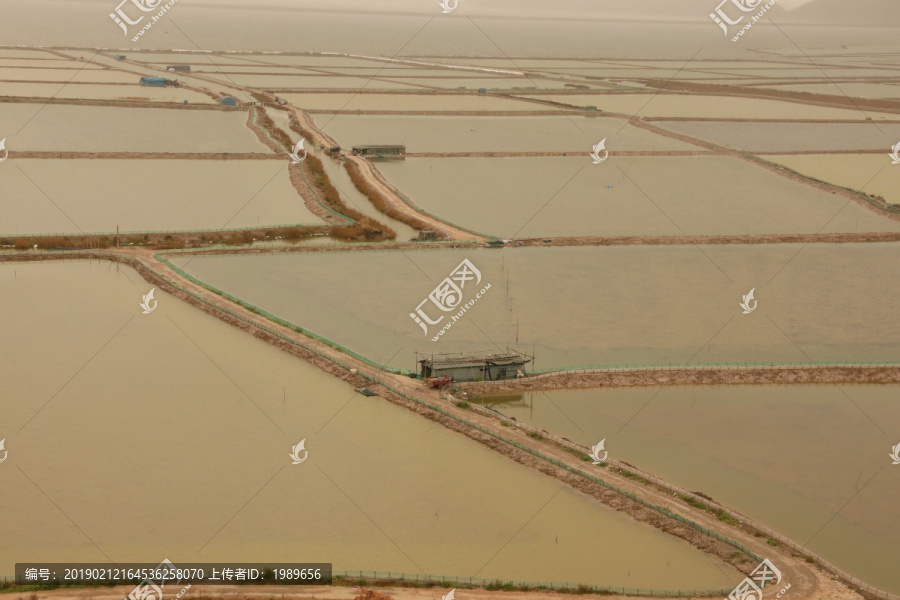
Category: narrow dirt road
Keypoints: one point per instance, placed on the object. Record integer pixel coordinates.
(285, 592)
(808, 581)
(374, 178)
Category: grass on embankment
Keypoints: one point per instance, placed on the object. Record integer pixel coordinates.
(163, 240)
(379, 201)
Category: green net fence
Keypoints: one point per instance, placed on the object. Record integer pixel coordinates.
(437, 409)
(376, 577)
(273, 318)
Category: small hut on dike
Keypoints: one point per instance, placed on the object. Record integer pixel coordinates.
(482, 366)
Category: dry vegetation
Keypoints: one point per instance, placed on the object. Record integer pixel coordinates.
(312, 168)
(164, 240)
(378, 199)
(365, 594)
(365, 227)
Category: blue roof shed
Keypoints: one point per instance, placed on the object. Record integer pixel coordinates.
(157, 81)
(228, 101)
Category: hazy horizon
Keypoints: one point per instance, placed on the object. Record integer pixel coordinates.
(617, 28)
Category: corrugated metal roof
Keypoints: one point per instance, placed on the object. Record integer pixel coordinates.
(466, 361)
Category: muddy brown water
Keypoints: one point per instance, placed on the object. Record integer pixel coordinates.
(96, 195)
(612, 306)
(790, 137)
(811, 461)
(869, 173)
(625, 195)
(114, 129)
(136, 437)
(511, 134)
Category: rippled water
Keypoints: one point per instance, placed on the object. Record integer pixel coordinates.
(133, 437)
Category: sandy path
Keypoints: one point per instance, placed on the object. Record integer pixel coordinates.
(808, 581)
(374, 178)
(285, 592)
(874, 204)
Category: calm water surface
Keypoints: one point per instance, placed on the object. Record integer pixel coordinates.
(96, 195)
(626, 195)
(132, 437)
(787, 137)
(113, 129)
(791, 457)
(592, 305)
(872, 174)
(485, 134)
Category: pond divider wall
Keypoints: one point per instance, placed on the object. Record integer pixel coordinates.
(505, 584)
(773, 535)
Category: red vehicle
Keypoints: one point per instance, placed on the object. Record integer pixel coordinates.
(441, 381)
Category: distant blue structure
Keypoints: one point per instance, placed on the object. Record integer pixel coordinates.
(482, 90)
(228, 101)
(154, 81)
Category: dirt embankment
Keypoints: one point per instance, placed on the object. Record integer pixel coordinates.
(135, 102)
(808, 581)
(293, 592)
(382, 193)
(563, 110)
(582, 152)
(690, 376)
(165, 240)
(148, 155)
(379, 200)
(874, 203)
(680, 240)
(863, 104)
(313, 184)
